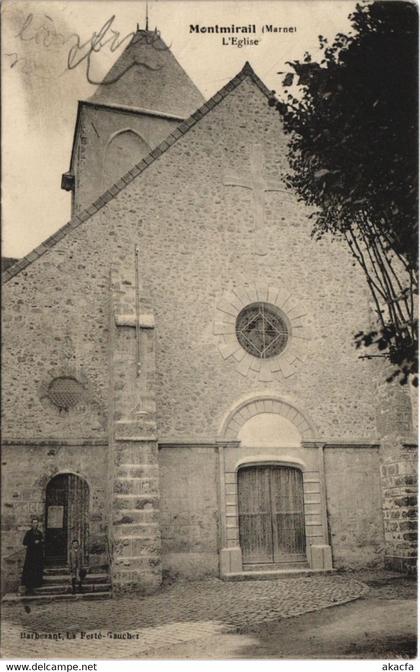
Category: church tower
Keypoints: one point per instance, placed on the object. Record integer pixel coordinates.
(143, 98)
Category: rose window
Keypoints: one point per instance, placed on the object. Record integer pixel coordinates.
(261, 329)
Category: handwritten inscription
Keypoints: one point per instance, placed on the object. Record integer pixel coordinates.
(81, 52)
(40, 30)
(43, 33)
(14, 58)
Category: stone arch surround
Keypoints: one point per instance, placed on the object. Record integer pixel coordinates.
(307, 457)
(64, 472)
(264, 403)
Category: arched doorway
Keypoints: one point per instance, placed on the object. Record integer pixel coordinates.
(271, 514)
(66, 517)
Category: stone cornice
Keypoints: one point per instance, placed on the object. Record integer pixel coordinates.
(349, 443)
(59, 441)
(133, 110)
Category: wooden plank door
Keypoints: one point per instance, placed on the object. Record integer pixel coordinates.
(67, 517)
(78, 512)
(254, 508)
(287, 509)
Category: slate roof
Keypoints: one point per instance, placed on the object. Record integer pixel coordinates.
(126, 179)
(6, 262)
(147, 75)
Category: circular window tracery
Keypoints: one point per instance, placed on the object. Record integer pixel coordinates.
(65, 392)
(262, 330)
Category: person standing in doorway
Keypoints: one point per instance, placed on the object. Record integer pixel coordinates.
(33, 566)
(76, 565)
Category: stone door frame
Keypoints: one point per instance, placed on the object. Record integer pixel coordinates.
(308, 458)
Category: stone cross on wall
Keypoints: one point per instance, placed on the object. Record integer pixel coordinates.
(255, 181)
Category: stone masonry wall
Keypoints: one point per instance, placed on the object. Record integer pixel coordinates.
(354, 506)
(189, 510)
(399, 475)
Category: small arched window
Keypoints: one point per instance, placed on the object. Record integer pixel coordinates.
(122, 152)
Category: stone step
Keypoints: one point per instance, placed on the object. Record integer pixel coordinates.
(66, 578)
(273, 574)
(56, 570)
(13, 598)
(61, 588)
(64, 569)
(274, 566)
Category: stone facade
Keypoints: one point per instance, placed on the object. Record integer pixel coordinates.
(139, 293)
(184, 212)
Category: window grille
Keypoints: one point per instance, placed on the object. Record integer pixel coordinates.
(262, 330)
(65, 392)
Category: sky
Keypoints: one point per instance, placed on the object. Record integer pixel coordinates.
(40, 93)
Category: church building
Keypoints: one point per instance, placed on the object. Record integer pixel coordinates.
(181, 391)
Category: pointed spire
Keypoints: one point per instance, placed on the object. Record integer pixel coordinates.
(147, 15)
(147, 75)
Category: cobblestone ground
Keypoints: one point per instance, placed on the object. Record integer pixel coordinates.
(184, 612)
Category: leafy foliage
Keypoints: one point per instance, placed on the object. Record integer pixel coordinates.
(353, 158)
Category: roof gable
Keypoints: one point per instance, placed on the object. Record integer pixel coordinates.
(126, 179)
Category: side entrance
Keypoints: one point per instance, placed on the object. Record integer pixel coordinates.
(66, 517)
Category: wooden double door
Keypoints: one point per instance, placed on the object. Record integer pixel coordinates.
(67, 517)
(271, 514)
